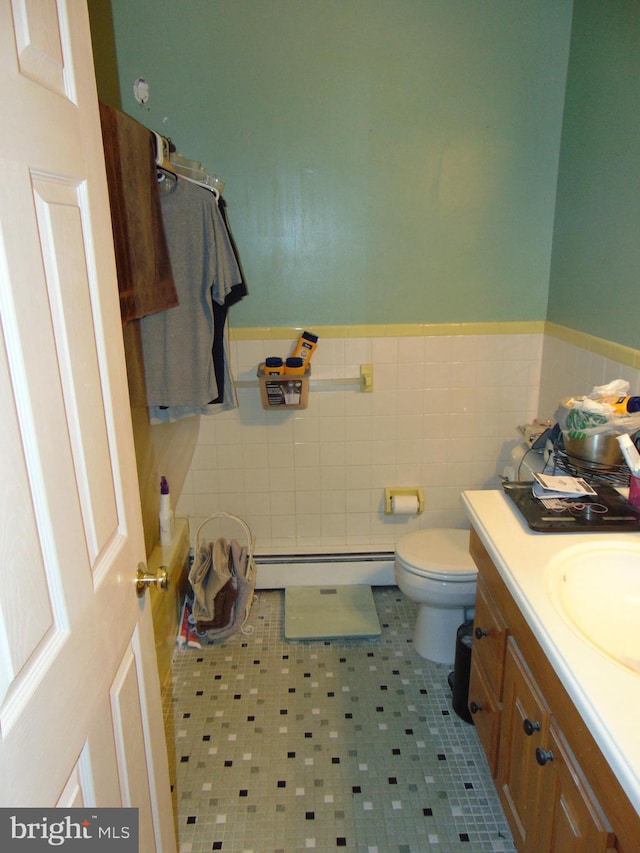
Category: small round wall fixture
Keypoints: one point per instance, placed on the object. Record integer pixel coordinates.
(141, 90)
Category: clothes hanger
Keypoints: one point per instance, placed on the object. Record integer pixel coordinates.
(166, 178)
(189, 170)
(205, 186)
(195, 173)
(163, 149)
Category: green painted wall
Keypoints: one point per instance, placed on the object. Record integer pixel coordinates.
(385, 160)
(595, 273)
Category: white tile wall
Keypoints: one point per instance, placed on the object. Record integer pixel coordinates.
(443, 415)
(571, 370)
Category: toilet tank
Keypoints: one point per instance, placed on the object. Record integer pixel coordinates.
(524, 462)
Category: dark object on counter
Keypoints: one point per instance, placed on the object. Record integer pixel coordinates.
(606, 511)
(459, 678)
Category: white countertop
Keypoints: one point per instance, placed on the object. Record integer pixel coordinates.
(607, 694)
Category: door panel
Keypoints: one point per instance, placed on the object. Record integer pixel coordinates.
(132, 760)
(80, 713)
(38, 43)
(61, 207)
(20, 555)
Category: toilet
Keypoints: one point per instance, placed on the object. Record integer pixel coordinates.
(434, 569)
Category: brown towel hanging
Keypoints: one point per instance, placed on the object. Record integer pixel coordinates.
(145, 279)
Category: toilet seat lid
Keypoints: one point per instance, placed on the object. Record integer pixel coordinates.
(438, 551)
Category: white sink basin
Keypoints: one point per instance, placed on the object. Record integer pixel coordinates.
(597, 589)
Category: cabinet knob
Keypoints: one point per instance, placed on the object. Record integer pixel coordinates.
(480, 633)
(543, 755)
(529, 727)
(474, 707)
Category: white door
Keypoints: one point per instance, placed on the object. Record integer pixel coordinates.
(80, 713)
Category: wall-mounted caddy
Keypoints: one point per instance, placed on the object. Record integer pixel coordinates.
(284, 391)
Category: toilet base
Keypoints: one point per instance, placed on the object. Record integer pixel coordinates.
(434, 635)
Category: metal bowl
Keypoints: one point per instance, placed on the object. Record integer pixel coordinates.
(597, 451)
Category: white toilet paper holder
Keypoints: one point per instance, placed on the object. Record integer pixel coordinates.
(395, 491)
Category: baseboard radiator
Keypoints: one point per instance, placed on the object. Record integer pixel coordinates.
(277, 571)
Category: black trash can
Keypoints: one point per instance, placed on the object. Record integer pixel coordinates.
(459, 678)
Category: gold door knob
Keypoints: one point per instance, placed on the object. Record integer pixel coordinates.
(145, 578)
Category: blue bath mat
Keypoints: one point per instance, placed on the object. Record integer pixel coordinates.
(330, 612)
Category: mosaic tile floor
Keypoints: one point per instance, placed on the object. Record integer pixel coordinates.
(344, 745)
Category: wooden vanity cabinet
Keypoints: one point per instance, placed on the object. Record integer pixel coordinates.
(557, 789)
(524, 728)
(486, 710)
(570, 816)
(486, 677)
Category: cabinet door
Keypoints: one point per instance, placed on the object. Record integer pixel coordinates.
(485, 709)
(524, 729)
(571, 820)
(490, 634)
